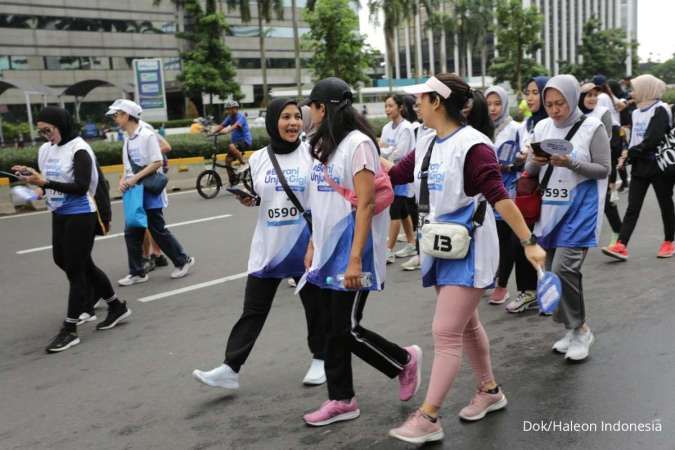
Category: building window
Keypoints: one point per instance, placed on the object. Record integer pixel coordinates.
(171, 63)
(270, 32)
(86, 24)
(20, 63)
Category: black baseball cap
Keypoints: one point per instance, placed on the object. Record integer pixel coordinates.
(330, 90)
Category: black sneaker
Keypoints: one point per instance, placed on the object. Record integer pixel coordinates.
(148, 264)
(160, 261)
(116, 314)
(63, 341)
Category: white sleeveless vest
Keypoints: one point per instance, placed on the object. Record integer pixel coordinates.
(449, 203)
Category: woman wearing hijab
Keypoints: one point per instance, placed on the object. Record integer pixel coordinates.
(651, 121)
(511, 162)
(571, 213)
(278, 246)
(588, 104)
(68, 178)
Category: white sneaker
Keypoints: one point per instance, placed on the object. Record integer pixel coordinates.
(222, 376)
(580, 345)
(412, 264)
(86, 317)
(391, 257)
(407, 251)
(292, 283)
(180, 272)
(316, 374)
(562, 345)
(133, 279)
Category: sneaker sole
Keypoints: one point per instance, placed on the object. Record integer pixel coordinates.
(190, 265)
(431, 437)
(339, 418)
(410, 269)
(406, 255)
(135, 282)
(664, 256)
(124, 316)
(523, 308)
(614, 255)
(89, 319)
(196, 376)
(314, 381)
(70, 344)
(499, 302)
(587, 353)
(501, 404)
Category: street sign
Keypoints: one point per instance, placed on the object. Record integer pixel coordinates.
(149, 88)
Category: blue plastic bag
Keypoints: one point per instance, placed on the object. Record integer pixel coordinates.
(134, 214)
(548, 291)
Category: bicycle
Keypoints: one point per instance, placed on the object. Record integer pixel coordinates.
(209, 181)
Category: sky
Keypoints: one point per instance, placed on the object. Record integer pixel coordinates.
(655, 22)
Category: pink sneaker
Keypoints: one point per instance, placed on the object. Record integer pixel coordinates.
(483, 403)
(666, 250)
(333, 411)
(499, 296)
(411, 375)
(418, 429)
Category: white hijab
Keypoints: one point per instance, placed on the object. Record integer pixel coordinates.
(647, 89)
(504, 117)
(568, 86)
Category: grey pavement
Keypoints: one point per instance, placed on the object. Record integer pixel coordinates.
(131, 387)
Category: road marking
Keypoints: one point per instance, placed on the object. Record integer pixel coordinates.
(115, 235)
(113, 202)
(194, 287)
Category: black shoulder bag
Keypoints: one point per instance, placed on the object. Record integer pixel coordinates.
(307, 215)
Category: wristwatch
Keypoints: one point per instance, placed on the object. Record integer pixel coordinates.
(532, 240)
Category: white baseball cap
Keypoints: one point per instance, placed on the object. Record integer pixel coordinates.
(127, 106)
(433, 84)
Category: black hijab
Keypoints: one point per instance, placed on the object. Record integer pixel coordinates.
(278, 145)
(61, 119)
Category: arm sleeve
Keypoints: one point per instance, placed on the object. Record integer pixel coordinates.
(607, 122)
(482, 174)
(403, 172)
(600, 164)
(658, 126)
(153, 151)
(226, 122)
(364, 159)
(81, 173)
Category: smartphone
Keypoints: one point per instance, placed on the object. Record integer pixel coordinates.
(536, 149)
(241, 193)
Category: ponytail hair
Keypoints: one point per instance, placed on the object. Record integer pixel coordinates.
(479, 116)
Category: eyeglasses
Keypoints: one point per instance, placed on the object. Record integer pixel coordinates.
(46, 131)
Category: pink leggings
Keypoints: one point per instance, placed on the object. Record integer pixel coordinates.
(456, 326)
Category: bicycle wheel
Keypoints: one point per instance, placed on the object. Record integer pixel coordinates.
(209, 184)
(247, 179)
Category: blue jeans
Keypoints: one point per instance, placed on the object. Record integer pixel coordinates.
(163, 237)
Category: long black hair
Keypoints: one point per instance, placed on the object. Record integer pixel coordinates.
(479, 116)
(339, 121)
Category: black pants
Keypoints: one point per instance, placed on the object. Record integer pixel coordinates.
(162, 236)
(347, 336)
(663, 187)
(511, 252)
(72, 243)
(258, 299)
(612, 213)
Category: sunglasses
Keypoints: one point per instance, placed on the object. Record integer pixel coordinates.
(46, 131)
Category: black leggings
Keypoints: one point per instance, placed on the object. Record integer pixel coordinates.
(511, 252)
(258, 299)
(347, 336)
(663, 187)
(72, 243)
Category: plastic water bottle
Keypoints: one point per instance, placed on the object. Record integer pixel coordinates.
(339, 280)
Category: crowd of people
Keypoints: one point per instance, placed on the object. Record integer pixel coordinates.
(449, 168)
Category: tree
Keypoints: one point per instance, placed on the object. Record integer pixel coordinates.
(517, 41)
(207, 63)
(395, 12)
(603, 51)
(264, 13)
(664, 70)
(338, 48)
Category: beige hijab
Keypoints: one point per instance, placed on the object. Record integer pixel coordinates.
(647, 89)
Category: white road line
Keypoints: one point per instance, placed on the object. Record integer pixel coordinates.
(110, 236)
(194, 287)
(113, 202)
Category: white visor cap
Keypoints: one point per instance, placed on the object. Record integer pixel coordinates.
(433, 84)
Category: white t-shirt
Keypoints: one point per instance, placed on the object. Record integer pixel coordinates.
(143, 147)
(607, 102)
(281, 233)
(398, 141)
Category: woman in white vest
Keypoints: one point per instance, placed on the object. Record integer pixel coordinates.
(278, 246)
(511, 162)
(461, 173)
(571, 213)
(68, 178)
(588, 103)
(351, 242)
(651, 121)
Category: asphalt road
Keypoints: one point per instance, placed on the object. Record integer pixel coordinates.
(131, 387)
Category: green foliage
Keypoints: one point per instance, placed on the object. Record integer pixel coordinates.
(11, 131)
(517, 42)
(207, 64)
(338, 48)
(669, 96)
(665, 71)
(603, 51)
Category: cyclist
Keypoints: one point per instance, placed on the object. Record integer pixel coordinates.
(236, 123)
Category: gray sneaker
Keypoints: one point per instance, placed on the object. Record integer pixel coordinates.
(180, 272)
(525, 300)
